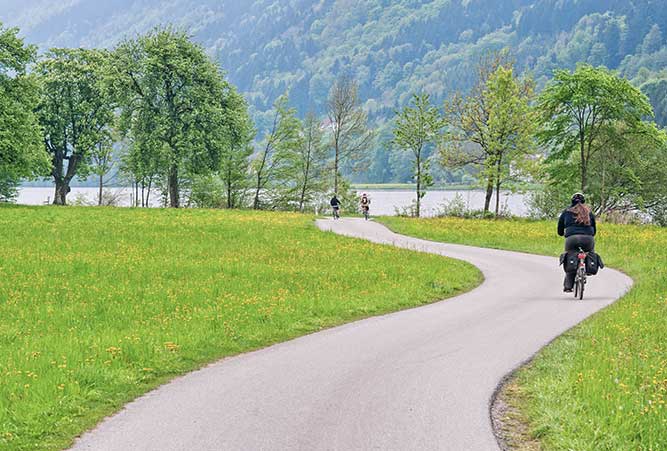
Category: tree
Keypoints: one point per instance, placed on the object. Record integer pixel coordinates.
(170, 93)
(629, 173)
(101, 163)
(21, 149)
(350, 134)
(579, 109)
(510, 127)
(75, 112)
(280, 142)
(418, 127)
(235, 161)
(477, 122)
(310, 162)
(142, 162)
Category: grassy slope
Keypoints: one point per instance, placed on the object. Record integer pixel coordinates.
(603, 385)
(99, 305)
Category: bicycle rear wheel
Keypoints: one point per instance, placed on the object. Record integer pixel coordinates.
(579, 287)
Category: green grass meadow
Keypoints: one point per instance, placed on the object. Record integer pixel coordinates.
(603, 385)
(99, 305)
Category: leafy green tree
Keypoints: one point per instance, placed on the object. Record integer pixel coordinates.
(349, 126)
(142, 162)
(310, 162)
(75, 112)
(171, 90)
(102, 162)
(418, 127)
(510, 130)
(235, 160)
(280, 143)
(579, 109)
(628, 174)
(21, 149)
(475, 132)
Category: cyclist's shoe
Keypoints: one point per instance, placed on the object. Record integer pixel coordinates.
(567, 290)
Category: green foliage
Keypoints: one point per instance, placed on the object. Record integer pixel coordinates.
(309, 165)
(271, 168)
(21, 150)
(350, 135)
(417, 128)
(549, 201)
(127, 303)
(579, 109)
(172, 97)
(392, 49)
(592, 122)
(491, 128)
(75, 112)
(510, 134)
(235, 160)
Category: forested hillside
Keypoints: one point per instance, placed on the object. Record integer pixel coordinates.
(392, 48)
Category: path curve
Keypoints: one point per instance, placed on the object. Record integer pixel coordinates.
(419, 379)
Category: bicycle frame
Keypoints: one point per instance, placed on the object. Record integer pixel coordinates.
(580, 278)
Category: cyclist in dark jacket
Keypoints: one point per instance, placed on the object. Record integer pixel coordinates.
(335, 205)
(577, 225)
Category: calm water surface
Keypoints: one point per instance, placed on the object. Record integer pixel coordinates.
(382, 202)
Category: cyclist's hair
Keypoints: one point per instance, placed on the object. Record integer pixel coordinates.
(582, 214)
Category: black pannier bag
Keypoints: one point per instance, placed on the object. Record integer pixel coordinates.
(593, 263)
(569, 261)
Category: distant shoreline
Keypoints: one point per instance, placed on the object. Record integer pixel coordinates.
(412, 187)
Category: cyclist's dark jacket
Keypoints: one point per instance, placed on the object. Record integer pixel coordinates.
(567, 226)
(335, 202)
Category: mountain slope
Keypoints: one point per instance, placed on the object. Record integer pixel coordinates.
(393, 48)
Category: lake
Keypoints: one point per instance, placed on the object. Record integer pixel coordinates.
(383, 202)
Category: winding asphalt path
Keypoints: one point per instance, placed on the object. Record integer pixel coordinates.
(419, 379)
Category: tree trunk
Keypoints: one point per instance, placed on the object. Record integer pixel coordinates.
(148, 192)
(230, 200)
(229, 194)
(582, 146)
(174, 200)
(336, 162)
(419, 180)
(255, 203)
(306, 177)
(99, 194)
(497, 198)
(62, 188)
(498, 183)
(489, 194)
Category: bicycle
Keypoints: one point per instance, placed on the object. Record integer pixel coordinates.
(336, 212)
(365, 209)
(580, 278)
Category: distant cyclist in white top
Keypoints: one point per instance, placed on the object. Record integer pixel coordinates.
(365, 203)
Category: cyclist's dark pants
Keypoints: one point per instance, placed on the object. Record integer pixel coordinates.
(573, 243)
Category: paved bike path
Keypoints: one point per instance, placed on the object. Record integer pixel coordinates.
(419, 379)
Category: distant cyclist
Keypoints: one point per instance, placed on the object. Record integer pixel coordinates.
(365, 204)
(577, 225)
(335, 206)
